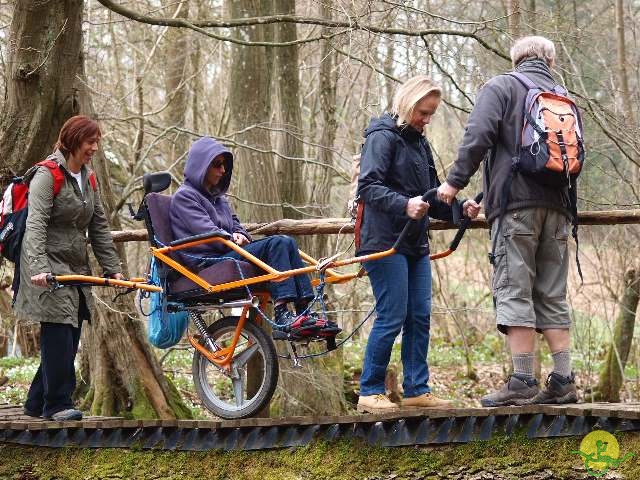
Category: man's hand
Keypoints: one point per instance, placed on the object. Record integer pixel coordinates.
(416, 208)
(470, 209)
(116, 276)
(446, 193)
(240, 239)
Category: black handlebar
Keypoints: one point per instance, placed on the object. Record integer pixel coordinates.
(464, 222)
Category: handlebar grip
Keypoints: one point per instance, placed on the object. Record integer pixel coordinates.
(464, 224)
(51, 280)
(405, 231)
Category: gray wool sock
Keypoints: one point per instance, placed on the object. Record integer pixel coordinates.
(562, 362)
(523, 364)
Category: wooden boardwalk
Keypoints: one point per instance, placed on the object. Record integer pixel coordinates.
(404, 427)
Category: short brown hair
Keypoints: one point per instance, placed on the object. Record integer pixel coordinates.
(75, 131)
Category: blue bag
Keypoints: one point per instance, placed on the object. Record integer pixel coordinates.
(165, 327)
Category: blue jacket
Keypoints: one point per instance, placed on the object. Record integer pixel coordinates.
(195, 210)
(396, 165)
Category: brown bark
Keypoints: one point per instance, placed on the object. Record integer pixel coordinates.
(174, 81)
(249, 105)
(612, 373)
(291, 171)
(324, 226)
(124, 373)
(513, 20)
(45, 60)
(44, 52)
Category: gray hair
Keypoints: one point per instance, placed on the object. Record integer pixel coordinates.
(531, 48)
(409, 94)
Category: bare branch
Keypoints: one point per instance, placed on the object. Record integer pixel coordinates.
(350, 25)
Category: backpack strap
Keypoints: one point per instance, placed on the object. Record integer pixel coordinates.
(573, 207)
(504, 200)
(56, 172)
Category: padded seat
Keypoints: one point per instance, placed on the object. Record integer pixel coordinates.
(222, 272)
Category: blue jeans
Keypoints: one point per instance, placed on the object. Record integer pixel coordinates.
(281, 253)
(402, 288)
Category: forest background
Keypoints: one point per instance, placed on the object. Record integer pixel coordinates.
(289, 87)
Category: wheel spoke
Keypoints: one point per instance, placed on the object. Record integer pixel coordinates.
(238, 389)
(240, 360)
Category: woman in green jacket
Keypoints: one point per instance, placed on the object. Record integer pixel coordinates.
(55, 242)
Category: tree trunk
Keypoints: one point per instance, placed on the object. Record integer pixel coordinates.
(44, 52)
(121, 373)
(612, 373)
(623, 77)
(175, 88)
(255, 181)
(513, 20)
(287, 83)
(317, 388)
(44, 62)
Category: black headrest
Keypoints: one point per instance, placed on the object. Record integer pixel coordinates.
(156, 182)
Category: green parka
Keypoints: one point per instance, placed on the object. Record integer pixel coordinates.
(55, 241)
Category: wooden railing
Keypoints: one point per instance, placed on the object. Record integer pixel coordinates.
(344, 225)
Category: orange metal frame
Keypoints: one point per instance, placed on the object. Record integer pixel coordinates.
(224, 356)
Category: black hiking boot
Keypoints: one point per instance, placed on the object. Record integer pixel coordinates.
(518, 390)
(557, 390)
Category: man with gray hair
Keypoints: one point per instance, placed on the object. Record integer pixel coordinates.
(530, 255)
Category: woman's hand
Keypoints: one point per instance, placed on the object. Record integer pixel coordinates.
(416, 208)
(116, 276)
(40, 280)
(470, 209)
(446, 193)
(240, 239)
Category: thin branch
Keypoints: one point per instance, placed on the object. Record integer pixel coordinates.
(350, 25)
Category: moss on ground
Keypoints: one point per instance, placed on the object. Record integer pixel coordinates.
(501, 458)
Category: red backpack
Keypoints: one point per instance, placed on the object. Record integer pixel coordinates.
(13, 207)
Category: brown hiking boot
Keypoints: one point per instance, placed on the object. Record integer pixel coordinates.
(557, 390)
(375, 404)
(518, 390)
(426, 400)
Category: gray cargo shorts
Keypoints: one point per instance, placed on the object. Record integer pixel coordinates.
(530, 271)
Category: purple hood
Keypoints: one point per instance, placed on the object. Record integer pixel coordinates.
(195, 210)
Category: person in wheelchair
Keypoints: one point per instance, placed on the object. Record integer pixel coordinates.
(200, 206)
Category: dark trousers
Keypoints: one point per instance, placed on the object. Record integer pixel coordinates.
(281, 253)
(55, 380)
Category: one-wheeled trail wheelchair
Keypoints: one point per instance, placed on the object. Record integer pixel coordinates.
(235, 363)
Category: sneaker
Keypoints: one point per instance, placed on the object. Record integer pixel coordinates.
(328, 328)
(557, 390)
(377, 403)
(68, 414)
(516, 391)
(296, 326)
(426, 400)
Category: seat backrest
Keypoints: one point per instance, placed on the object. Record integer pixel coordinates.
(158, 221)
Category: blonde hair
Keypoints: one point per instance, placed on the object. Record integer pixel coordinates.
(534, 47)
(409, 94)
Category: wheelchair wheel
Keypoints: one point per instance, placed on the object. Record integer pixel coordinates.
(254, 371)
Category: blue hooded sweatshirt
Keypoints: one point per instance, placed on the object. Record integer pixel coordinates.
(195, 210)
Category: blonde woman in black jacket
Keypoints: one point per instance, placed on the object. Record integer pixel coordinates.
(397, 168)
